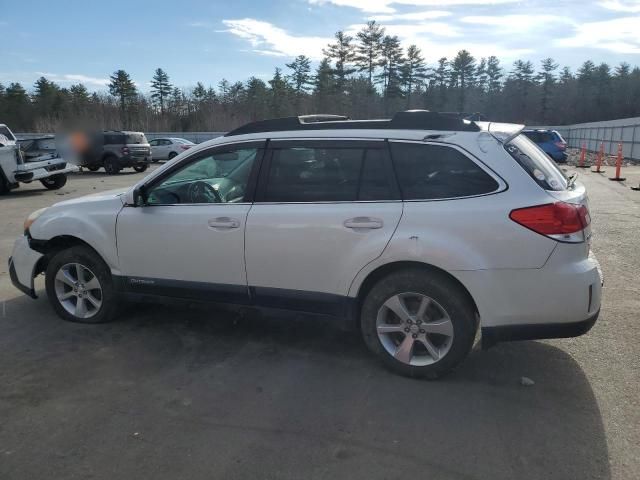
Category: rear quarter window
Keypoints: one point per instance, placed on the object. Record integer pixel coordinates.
(427, 172)
(135, 138)
(536, 163)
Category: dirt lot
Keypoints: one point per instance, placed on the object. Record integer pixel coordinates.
(168, 392)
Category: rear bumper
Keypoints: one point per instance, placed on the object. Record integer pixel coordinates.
(509, 333)
(538, 303)
(22, 266)
(130, 161)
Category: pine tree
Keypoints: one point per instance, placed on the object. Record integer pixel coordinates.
(257, 98)
(414, 71)
(369, 49)
(441, 78)
(122, 87)
(160, 87)
(463, 70)
(547, 79)
(301, 74)
(343, 53)
(392, 61)
(323, 85)
(279, 93)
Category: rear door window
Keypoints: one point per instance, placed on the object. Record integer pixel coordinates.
(536, 163)
(331, 174)
(427, 172)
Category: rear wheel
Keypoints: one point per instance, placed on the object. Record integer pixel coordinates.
(140, 168)
(79, 286)
(420, 324)
(111, 165)
(54, 182)
(172, 154)
(93, 168)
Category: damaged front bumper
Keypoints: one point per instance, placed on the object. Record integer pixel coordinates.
(23, 265)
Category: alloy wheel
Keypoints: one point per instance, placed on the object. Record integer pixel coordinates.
(414, 329)
(78, 290)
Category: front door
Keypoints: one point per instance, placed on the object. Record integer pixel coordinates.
(324, 209)
(188, 239)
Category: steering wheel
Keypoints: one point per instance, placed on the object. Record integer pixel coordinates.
(202, 192)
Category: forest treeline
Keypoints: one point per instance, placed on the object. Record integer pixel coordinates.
(369, 75)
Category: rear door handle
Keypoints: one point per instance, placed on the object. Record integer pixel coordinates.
(364, 223)
(224, 223)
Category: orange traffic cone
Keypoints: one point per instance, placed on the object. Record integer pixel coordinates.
(583, 156)
(618, 178)
(599, 159)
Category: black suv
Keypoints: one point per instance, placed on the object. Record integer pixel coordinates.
(115, 150)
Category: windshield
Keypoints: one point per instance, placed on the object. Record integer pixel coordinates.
(536, 163)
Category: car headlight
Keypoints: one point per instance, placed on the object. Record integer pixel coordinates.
(32, 218)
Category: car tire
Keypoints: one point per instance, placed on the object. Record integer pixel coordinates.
(54, 182)
(141, 168)
(111, 165)
(93, 168)
(438, 328)
(171, 155)
(69, 279)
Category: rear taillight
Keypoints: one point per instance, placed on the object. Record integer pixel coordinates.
(185, 147)
(561, 145)
(561, 221)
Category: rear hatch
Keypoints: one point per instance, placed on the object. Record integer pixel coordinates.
(137, 144)
(565, 218)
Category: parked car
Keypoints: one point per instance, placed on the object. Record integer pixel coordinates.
(417, 230)
(114, 150)
(167, 148)
(15, 168)
(551, 142)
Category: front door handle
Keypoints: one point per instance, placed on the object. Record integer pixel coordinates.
(225, 223)
(364, 223)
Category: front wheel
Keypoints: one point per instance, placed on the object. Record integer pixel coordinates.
(419, 323)
(54, 182)
(79, 286)
(93, 168)
(140, 168)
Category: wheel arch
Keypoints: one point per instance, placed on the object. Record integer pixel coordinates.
(388, 268)
(56, 244)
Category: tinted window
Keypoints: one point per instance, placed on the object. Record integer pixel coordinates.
(434, 171)
(314, 174)
(327, 175)
(113, 139)
(536, 163)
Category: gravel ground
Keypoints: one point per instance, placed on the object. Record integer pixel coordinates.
(169, 392)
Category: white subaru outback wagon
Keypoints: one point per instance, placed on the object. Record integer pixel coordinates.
(419, 230)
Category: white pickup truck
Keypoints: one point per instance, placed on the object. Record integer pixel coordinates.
(50, 169)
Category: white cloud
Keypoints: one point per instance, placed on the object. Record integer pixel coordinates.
(432, 28)
(267, 39)
(385, 6)
(415, 16)
(516, 23)
(75, 78)
(621, 5)
(620, 35)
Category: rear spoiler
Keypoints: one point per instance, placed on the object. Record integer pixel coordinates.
(504, 132)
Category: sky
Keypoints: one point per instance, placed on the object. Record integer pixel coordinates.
(71, 41)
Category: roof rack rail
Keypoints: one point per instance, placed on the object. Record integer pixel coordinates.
(408, 120)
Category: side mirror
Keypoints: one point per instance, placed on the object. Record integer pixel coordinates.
(136, 197)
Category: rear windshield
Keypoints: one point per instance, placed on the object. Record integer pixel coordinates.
(536, 163)
(558, 136)
(134, 137)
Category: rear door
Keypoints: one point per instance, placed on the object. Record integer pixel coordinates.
(324, 209)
